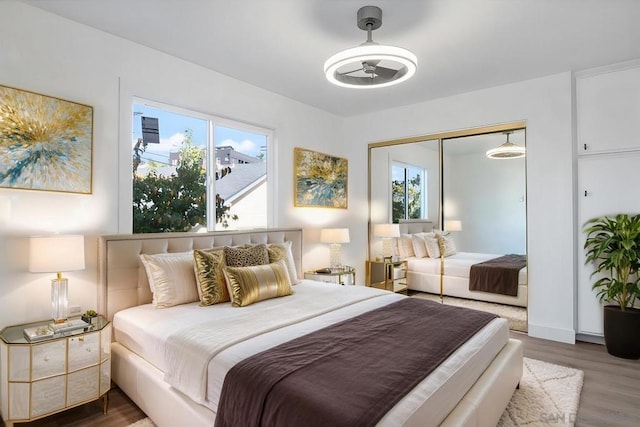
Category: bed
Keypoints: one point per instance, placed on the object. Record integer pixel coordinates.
(472, 386)
(423, 273)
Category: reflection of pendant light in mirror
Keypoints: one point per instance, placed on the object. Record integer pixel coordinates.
(508, 150)
(370, 65)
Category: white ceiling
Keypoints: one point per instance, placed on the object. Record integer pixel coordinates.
(461, 45)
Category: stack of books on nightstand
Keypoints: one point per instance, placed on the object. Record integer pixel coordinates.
(44, 332)
(68, 326)
(38, 333)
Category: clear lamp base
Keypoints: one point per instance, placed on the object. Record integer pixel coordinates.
(59, 299)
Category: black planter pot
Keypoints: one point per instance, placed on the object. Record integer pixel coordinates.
(621, 332)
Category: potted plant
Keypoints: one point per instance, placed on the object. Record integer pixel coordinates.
(613, 245)
(89, 316)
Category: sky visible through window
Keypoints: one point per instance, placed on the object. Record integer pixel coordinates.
(172, 126)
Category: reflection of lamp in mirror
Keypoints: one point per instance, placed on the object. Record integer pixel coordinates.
(335, 237)
(57, 254)
(452, 225)
(388, 232)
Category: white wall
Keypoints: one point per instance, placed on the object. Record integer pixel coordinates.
(545, 104)
(43, 53)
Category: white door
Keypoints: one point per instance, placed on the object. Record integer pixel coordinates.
(607, 185)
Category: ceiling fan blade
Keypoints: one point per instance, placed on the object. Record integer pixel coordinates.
(385, 73)
(350, 72)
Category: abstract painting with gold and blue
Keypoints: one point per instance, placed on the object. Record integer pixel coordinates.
(45, 142)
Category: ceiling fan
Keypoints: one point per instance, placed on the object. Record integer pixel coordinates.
(370, 64)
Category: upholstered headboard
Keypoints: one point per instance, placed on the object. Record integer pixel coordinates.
(122, 280)
(410, 226)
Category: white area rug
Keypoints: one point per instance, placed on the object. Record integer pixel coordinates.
(548, 396)
(516, 316)
(145, 422)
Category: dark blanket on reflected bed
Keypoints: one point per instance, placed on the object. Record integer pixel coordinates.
(347, 374)
(498, 275)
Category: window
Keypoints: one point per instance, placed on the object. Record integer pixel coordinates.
(193, 171)
(408, 195)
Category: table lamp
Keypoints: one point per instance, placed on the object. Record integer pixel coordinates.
(452, 225)
(335, 237)
(57, 254)
(388, 232)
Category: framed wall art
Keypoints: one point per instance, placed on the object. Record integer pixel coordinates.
(45, 142)
(320, 180)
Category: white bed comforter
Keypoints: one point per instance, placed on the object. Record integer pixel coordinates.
(190, 349)
(196, 346)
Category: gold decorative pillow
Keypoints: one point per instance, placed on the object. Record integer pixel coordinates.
(257, 283)
(278, 251)
(212, 287)
(449, 244)
(438, 242)
(171, 278)
(244, 257)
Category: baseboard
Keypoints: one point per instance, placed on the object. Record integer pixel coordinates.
(594, 339)
(554, 334)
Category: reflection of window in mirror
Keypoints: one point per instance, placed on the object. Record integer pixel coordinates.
(408, 191)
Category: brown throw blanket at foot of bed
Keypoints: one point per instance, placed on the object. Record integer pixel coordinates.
(347, 374)
(498, 275)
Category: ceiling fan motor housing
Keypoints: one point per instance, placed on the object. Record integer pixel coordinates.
(369, 17)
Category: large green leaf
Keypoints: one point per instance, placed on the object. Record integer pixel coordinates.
(613, 246)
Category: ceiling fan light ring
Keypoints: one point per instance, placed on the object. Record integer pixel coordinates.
(370, 52)
(506, 151)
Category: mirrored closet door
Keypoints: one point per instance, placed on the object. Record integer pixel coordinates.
(470, 183)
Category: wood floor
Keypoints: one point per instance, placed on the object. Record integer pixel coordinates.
(611, 390)
(610, 395)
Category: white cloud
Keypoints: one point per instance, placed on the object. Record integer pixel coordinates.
(245, 146)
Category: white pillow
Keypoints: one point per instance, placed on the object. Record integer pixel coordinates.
(171, 278)
(278, 251)
(405, 246)
(419, 245)
(431, 242)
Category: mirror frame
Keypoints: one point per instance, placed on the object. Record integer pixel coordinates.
(440, 136)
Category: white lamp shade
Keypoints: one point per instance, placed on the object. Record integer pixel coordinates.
(453, 225)
(334, 235)
(55, 254)
(386, 230)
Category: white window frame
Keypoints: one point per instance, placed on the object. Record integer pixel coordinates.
(211, 166)
(423, 189)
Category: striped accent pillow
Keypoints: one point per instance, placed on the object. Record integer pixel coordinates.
(248, 285)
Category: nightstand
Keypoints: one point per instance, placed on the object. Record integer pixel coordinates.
(345, 276)
(388, 275)
(56, 373)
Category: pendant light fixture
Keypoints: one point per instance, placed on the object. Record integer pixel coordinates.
(508, 150)
(370, 65)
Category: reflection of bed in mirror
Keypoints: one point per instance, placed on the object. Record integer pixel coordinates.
(472, 393)
(424, 273)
